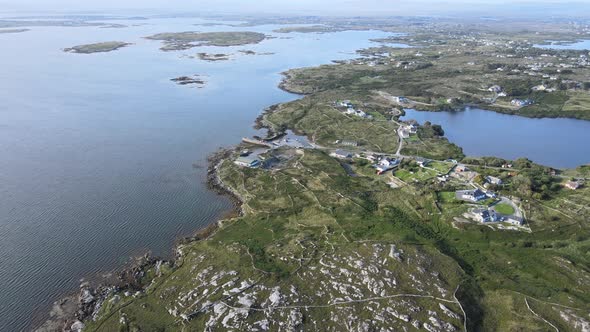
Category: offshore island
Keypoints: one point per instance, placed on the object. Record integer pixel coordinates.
(351, 217)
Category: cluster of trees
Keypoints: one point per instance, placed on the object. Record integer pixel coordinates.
(534, 180)
(430, 130)
(518, 87)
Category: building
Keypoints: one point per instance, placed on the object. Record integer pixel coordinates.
(359, 113)
(341, 154)
(248, 161)
(573, 185)
(495, 88)
(514, 220)
(386, 164)
(474, 195)
(521, 102)
(404, 133)
(422, 162)
(494, 180)
(461, 168)
(345, 103)
(486, 215)
(347, 143)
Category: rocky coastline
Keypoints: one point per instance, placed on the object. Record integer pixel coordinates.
(70, 312)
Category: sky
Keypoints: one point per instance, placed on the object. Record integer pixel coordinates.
(314, 7)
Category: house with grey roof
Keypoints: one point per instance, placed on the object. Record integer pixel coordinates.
(341, 154)
(251, 161)
(474, 195)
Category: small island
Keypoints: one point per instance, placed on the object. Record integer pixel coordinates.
(178, 41)
(250, 52)
(213, 57)
(97, 47)
(189, 80)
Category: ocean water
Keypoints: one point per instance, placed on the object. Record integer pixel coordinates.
(102, 157)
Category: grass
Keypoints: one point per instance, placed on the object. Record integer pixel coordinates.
(324, 124)
(447, 196)
(441, 167)
(505, 209)
(422, 174)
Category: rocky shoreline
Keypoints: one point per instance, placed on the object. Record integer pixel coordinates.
(69, 313)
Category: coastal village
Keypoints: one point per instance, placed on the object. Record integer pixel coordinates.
(479, 195)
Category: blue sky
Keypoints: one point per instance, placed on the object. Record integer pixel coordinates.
(318, 7)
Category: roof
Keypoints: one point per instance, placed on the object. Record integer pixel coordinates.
(247, 159)
(478, 192)
(340, 152)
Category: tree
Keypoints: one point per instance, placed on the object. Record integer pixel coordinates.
(523, 163)
(523, 185)
(438, 131)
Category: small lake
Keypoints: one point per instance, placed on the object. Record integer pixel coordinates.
(560, 143)
(578, 45)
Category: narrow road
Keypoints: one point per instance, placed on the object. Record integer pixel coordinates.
(401, 142)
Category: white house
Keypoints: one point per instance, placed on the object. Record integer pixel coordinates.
(403, 133)
(514, 220)
(385, 164)
(494, 180)
(474, 195)
(341, 154)
(486, 215)
(422, 162)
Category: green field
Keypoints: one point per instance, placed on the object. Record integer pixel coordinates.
(504, 209)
